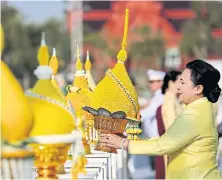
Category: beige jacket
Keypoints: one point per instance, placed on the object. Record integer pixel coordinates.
(171, 108)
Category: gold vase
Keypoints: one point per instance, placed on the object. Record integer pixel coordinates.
(49, 159)
(51, 151)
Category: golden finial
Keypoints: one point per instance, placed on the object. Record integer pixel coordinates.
(43, 53)
(53, 63)
(78, 61)
(122, 55)
(88, 64)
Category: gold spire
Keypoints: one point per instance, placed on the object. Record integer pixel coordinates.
(115, 92)
(122, 55)
(53, 63)
(77, 95)
(49, 106)
(78, 61)
(79, 80)
(88, 64)
(43, 53)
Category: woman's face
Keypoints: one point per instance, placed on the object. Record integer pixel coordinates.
(186, 90)
(172, 85)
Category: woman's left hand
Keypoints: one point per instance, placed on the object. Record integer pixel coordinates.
(111, 140)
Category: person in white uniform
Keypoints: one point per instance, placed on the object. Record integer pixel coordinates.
(149, 113)
(140, 165)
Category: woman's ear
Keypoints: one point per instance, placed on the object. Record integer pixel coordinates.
(199, 89)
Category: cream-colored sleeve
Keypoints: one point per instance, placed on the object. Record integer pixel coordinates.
(183, 131)
(169, 113)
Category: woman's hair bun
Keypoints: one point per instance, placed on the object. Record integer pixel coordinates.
(214, 94)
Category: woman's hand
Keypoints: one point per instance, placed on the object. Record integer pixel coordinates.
(114, 141)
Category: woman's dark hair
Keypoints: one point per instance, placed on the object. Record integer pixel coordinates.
(206, 75)
(170, 76)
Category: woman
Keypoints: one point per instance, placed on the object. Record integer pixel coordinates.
(171, 107)
(191, 141)
(165, 115)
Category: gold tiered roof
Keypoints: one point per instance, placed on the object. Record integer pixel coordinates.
(115, 92)
(52, 112)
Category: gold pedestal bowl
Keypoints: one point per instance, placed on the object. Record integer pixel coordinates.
(51, 154)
